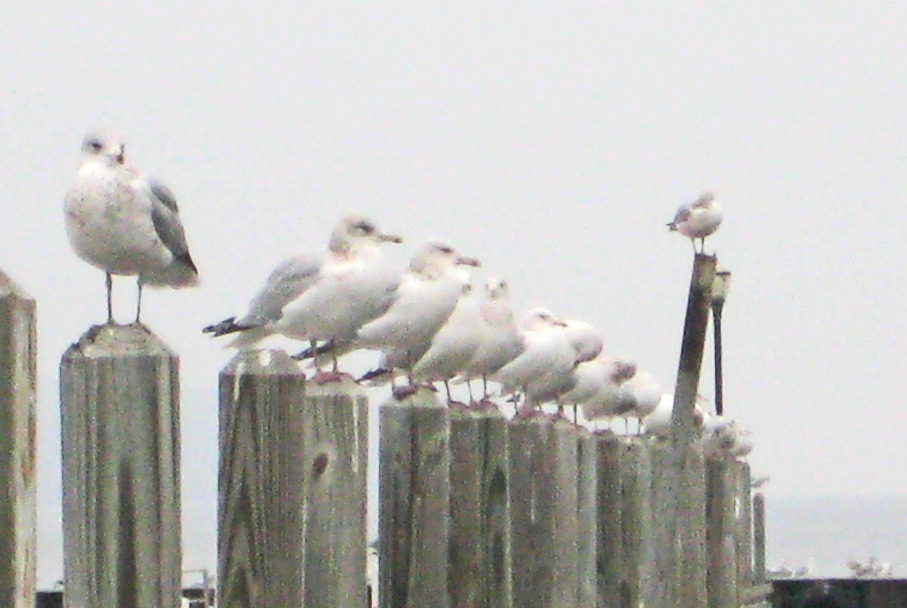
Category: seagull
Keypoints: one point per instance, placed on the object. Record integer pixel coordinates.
(659, 421)
(454, 345)
(321, 296)
(641, 396)
(424, 300)
(698, 219)
(501, 339)
(609, 398)
(547, 358)
(125, 223)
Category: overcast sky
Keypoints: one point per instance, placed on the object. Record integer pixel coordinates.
(551, 140)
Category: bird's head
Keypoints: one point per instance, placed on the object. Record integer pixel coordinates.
(104, 147)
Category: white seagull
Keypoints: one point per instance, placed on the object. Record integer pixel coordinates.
(548, 357)
(642, 396)
(501, 339)
(124, 223)
(609, 398)
(454, 345)
(321, 296)
(424, 300)
(698, 219)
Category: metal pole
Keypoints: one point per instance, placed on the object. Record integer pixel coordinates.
(717, 308)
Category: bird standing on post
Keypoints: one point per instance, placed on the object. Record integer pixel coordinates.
(698, 219)
(325, 295)
(125, 223)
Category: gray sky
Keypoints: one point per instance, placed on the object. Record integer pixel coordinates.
(551, 140)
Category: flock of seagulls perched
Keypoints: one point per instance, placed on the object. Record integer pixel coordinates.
(428, 323)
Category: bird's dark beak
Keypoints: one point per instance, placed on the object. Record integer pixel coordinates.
(468, 261)
(390, 238)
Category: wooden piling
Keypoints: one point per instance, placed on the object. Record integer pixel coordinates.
(335, 431)
(587, 518)
(722, 571)
(637, 534)
(17, 446)
(743, 521)
(261, 476)
(480, 560)
(610, 570)
(692, 590)
(669, 591)
(759, 539)
(543, 500)
(119, 389)
(414, 502)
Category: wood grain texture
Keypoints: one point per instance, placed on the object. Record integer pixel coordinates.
(544, 505)
(121, 461)
(335, 423)
(693, 565)
(480, 560)
(722, 570)
(637, 522)
(612, 584)
(414, 502)
(759, 538)
(17, 446)
(677, 477)
(587, 519)
(261, 475)
(743, 521)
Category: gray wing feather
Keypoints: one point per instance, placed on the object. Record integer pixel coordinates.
(165, 215)
(291, 278)
(683, 214)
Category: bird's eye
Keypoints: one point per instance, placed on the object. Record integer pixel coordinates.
(95, 145)
(445, 249)
(365, 227)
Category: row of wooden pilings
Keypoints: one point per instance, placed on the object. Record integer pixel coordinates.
(474, 510)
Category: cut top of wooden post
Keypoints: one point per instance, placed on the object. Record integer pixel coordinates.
(262, 362)
(117, 341)
(8, 287)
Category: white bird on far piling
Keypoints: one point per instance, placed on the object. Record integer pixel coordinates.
(321, 296)
(501, 340)
(454, 345)
(424, 300)
(124, 223)
(642, 395)
(547, 357)
(659, 421)
(609, 398)
(698, 219)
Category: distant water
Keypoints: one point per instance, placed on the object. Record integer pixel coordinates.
(825, 533)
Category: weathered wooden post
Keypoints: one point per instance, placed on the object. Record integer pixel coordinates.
(612, 585)
(587, 518)
(694, 560)
(119, 390)
(335, 423)
(743, 521)
(17, 446)
(638, 533)
(722, 573)
(681, 502)
(759, 538)
(414, 503)
(543, 503)
(480, 564)
(260, 482)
